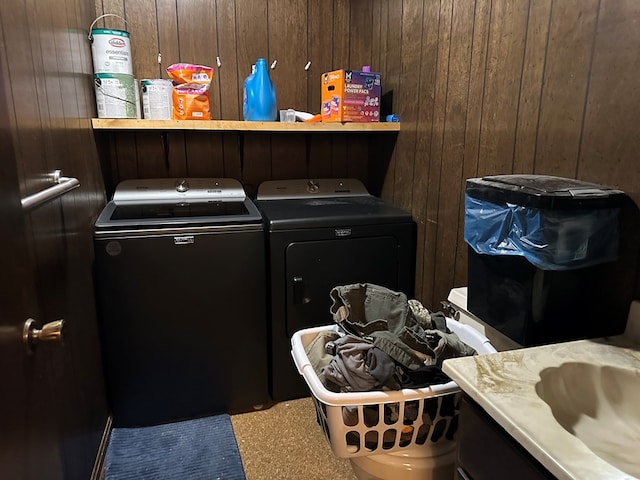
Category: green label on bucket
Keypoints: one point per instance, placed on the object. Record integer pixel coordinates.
(108, 31)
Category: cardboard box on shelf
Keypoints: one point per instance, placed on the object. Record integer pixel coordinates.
(351, 96)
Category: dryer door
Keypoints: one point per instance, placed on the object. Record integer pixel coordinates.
(313, 268)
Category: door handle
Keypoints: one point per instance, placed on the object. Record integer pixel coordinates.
(61, 185)
(298, 292)
(50, 333)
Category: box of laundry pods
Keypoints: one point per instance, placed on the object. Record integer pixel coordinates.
(351, 96)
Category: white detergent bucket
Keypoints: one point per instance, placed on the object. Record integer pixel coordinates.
(116, 95)
(110, 48)
(156, 98)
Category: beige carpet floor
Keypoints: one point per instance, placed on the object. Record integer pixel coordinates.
(285, 442)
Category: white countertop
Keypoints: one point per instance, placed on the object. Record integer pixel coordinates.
(504, 385)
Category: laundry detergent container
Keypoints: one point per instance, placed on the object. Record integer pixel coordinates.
(542, 259)
(406, 434)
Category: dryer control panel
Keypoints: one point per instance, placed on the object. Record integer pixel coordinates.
(308, 188)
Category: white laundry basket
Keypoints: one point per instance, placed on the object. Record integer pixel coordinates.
(419, 423)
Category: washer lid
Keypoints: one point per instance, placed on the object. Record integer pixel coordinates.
(177, 203)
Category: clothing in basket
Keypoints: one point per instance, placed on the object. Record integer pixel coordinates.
(359, 366)
(387, 319)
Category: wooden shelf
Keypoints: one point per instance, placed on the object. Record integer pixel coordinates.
(240, 126)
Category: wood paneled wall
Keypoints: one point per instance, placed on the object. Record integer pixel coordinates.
(481, 87)
(545, 87)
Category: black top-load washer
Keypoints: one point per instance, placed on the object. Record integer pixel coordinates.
(321, 234)
(180, 289)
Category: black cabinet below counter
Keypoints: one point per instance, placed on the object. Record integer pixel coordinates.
(487, 452)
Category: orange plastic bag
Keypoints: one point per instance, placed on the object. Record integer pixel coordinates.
(190, 103)
(190, 91)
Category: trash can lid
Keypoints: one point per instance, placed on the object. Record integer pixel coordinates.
(543, 191)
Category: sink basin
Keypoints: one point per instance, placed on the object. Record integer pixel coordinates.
(600, 405)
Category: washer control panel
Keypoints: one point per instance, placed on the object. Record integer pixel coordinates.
(178, 189)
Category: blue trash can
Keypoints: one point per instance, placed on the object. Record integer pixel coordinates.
(540, 255)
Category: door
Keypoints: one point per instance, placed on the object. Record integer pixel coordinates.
(29, 446)
(52, 403)
(315, 267)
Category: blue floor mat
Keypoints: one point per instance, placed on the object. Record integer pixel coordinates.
(199, 449)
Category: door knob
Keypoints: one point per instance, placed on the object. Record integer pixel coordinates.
(50, 332)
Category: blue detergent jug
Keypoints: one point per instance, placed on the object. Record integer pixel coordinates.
(259, 99)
